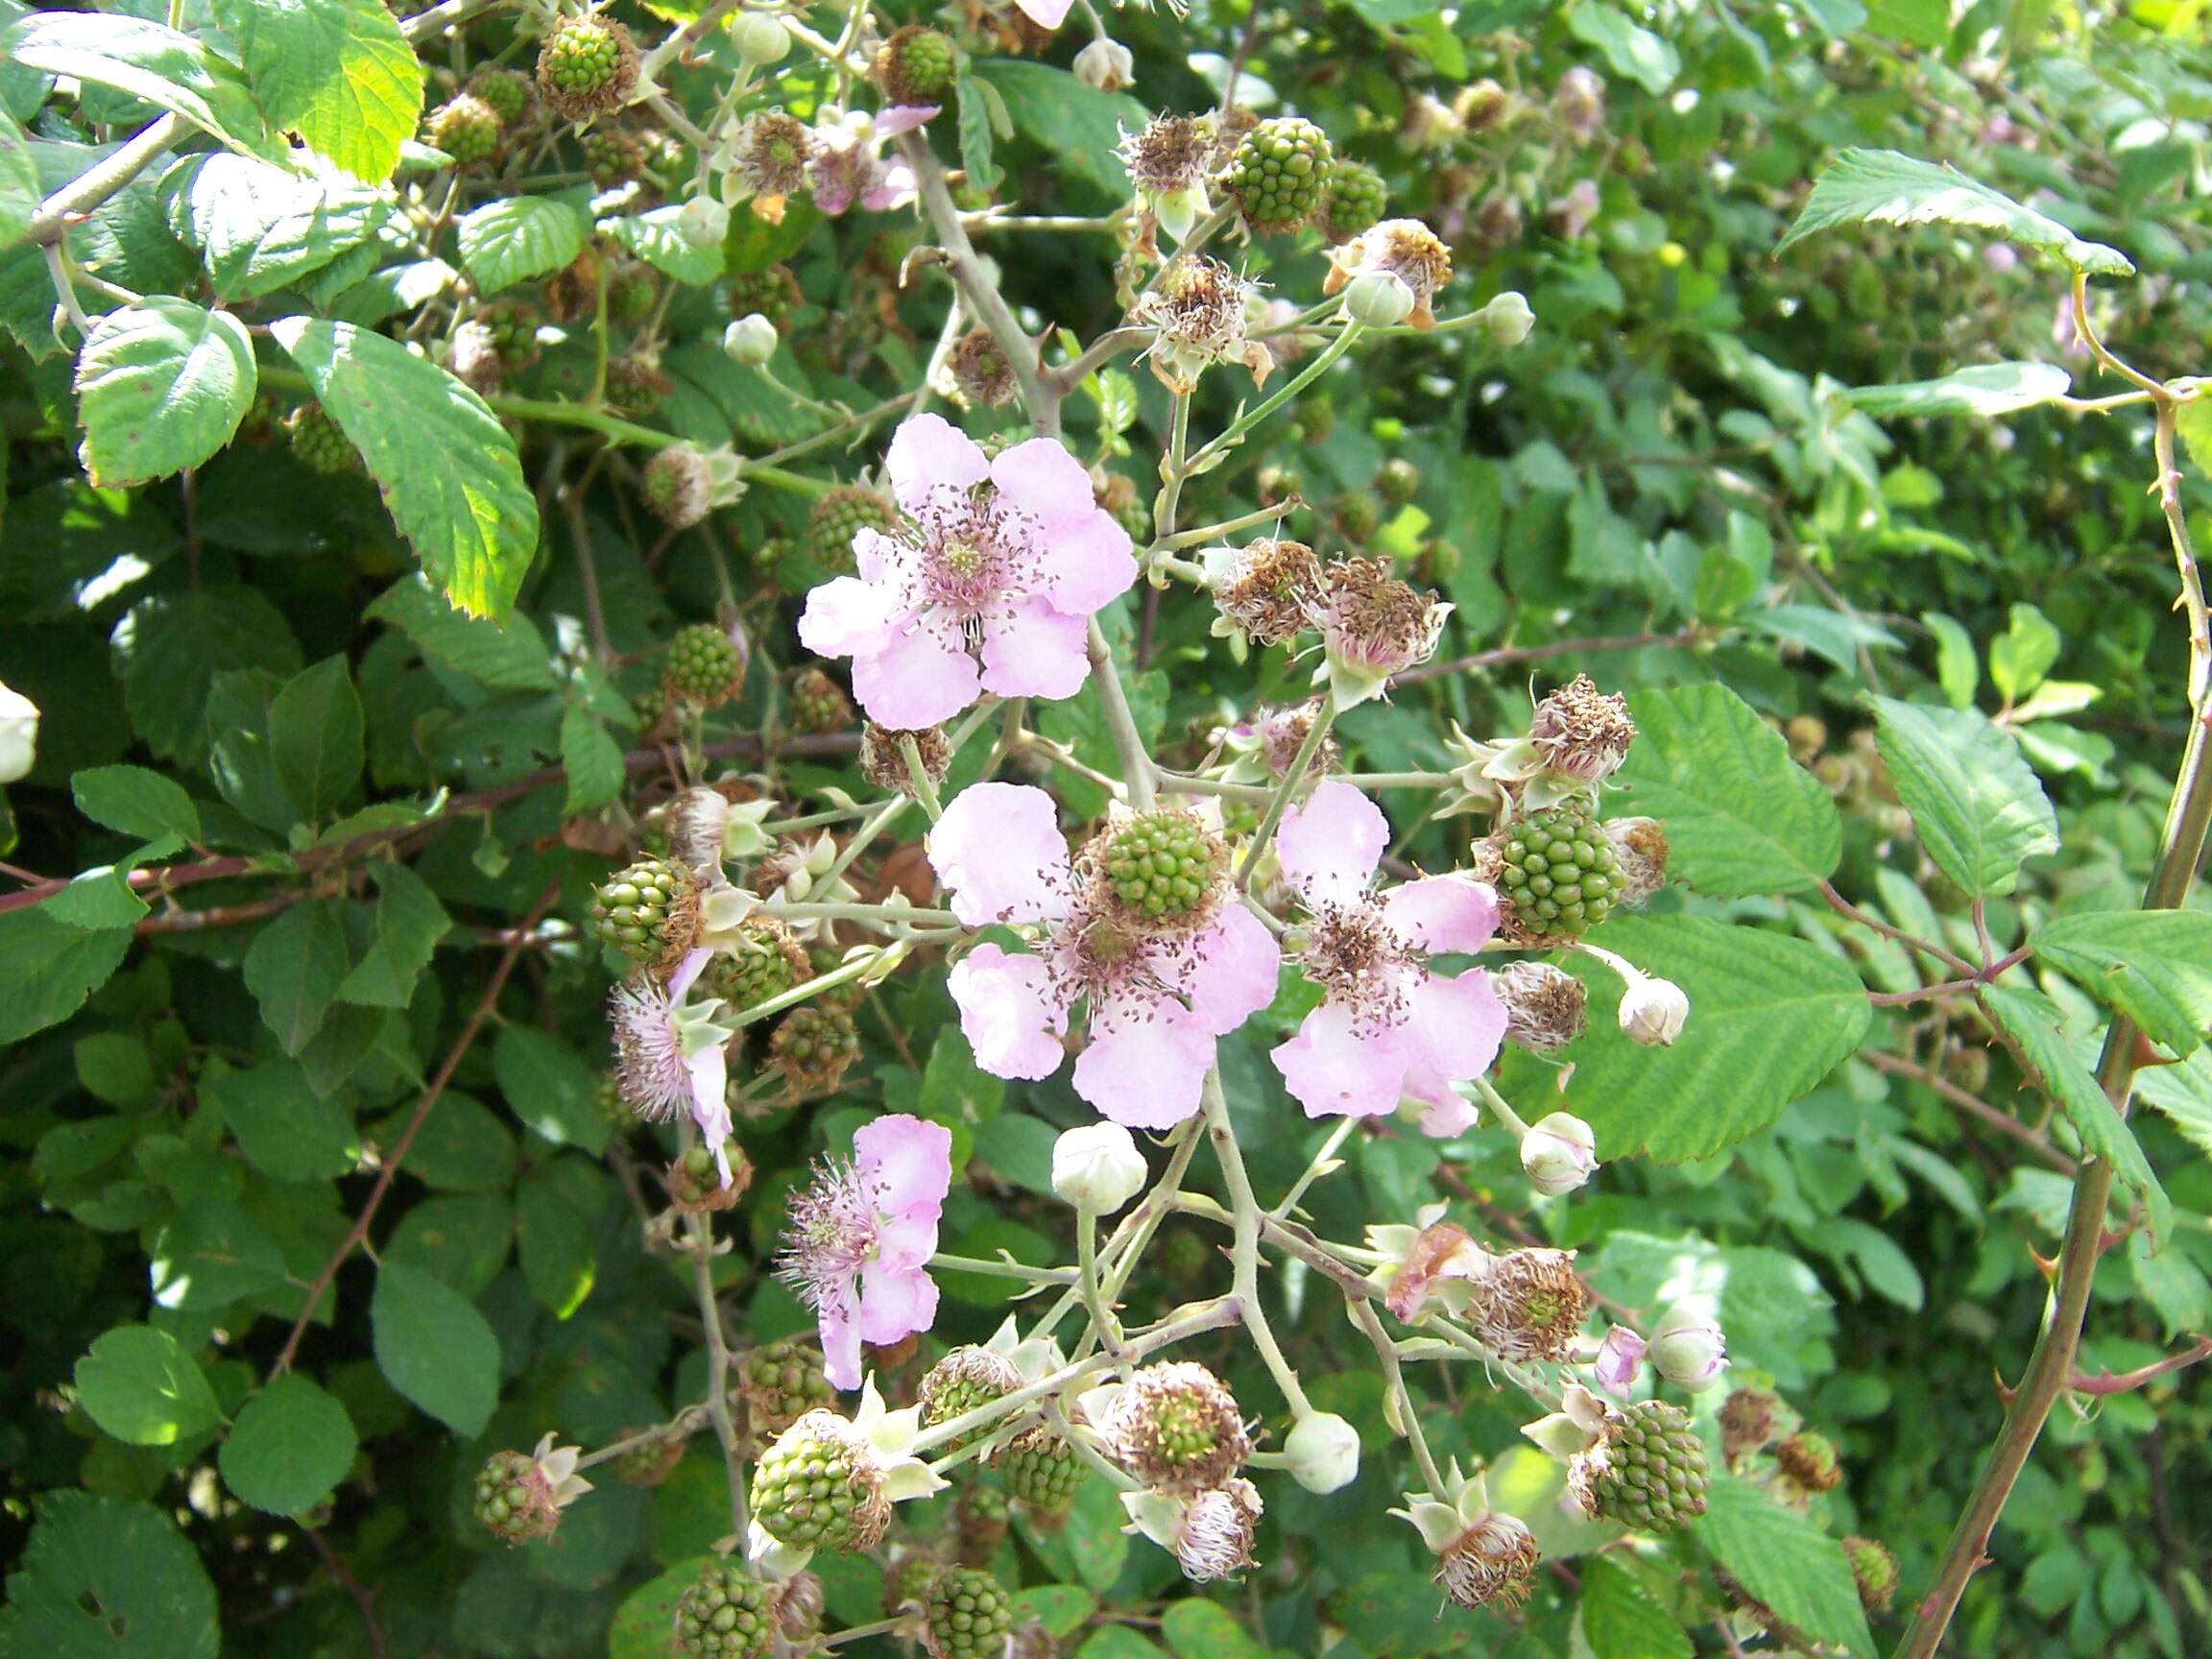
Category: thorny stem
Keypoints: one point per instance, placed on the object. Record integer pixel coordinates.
(1102, 1318)
(1324, 1162)
(1244, 1257)
(685, 1424)
(1402, 1396)
(918, 775)
(1234, 433)
(701, 1233)
(96, 184)
(1128, 743)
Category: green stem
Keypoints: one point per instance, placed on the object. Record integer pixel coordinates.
(1323, 718)
(1234, 433)
(1087, 1269)
(918, 775)
(1245, 1247)
(1128, 745)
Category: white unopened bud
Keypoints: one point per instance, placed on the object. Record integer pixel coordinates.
(19, 734)
(1652, 1011)
(703, 222)
(1105, 65)
(1688, 1348)
(1379, 300)
(750, 340)
(1098, 1169)
(759, 41)
(1508, 319)
(1559, 1153)
(1323, 1451)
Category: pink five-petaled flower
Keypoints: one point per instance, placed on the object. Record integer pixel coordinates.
(1046, 14)
(1158, 1000)
(1005, 560)
(1389, 1027)
(669, 1054)
(858, 1245)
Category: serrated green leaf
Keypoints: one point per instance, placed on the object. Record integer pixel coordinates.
(593, 760)
(510, 655)
(1786, 1561)
(2031, 1021)
(166, 69)
(1063, 1609)
(435, 1348)
(1770, 1016)
(103, 1578)
(337, 72)
(291, 1446)
(1958, 669)
(1622, 1620)
(555, 1235)
(404, 927)
(141, 1386)
(654, 237)
(48, 968)
(1882, 187)
(294, 967)
(1980, 810)
(136, 800)
(642, 1622)
(286, 1130)
(549, 1087)
(754, 242)
(1629, 49)
(504, 241)
(259, 228)
(315, 736)
(975, 98)
(2023, 655)
(1077, 126)
(1988, 389)
(447, 469)
(161, 386)
(1740, 815)
(20, 191)
(114, 1067)
(1199, 1629)
(2154, 966)
(460, 1238)
(173, 647)
(212, 1255)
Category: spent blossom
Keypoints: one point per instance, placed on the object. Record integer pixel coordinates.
(1160, 989)
(669, 1053)
(858, 1245)
(985, 585)
(1208, 1533)
(1389, 1027)
(1483, 1556)
(1373, 625)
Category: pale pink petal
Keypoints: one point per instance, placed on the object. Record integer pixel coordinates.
(927, 451)
(1448, 1114)
(999, 851)
(1618, 1358)
(916, 678)
(1443, 912)
(1034, 652)
(1452, 1029)
(1085, 561)
(846, 617)
(1233, 975)
(1333, 1070)
(893, 189)
(1331, 842)
(709, 1071)
(901, 118)
(1008, 1013)
(895, 1303)
(840, 1343)
(909, 1160)
(908, 1240)
(1039, 476)
(834, 195)
(1046, 14)
(687, 973)
(1146, 1074)
(876, 555)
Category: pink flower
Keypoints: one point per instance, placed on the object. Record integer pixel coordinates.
(858, 1245)
(1158, 994)
(1046, 14)
(1001, 560)
(847, 163)
(1619, 1357)
(1388, 1028)
(669, 1053)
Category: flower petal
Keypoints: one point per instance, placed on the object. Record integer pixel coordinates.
(1087, 561)
(1334, 1071)
(1234, 974)
(1007, 1013)
(908, 1158)
(1331, 842)
(1039, 476)
(1033, 651)
(846, 617)
(1452, 1029)
(897, 118)
(928, 451)
(1146, 1073)
(895, 1303)
(1443, 912)
(1046, 14)
(840, 1343)
(913, 678)
(999, 852)
(710, 1070)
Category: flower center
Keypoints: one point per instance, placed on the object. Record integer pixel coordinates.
(1355, 955)
(831, 1235)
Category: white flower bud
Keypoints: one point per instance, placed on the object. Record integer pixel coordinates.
(1323, 1451)
(1379, 300)
(1688, 1348)
(750, 340)
(1099, 1168)
(1652, 1011)
(1508, 319)
(1105, 65)
(703, 222)
(19, 734)
(759, 41)
(1559, 1153)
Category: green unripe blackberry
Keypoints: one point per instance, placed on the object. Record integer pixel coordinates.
(916, 65)
(1560, 871)
(1356, 201)
(819, 704)
(773, 294)
(586, 68)
(649, 912)
(1162, 868)
(1654, 1476)
(1399, 481)
(513, 1502)
(1810, 1460)
(764, 961)
(1357, 517)
(612, 156)
(814, 1045)
(466, 129)
(909, 1581)
(964, 1381)
(817, 1487)
(980, 1519)
(781, 1383)
(1043, 1471)
(969, 1614)
(1874, 1570)
(608, 1098)
(694, 1181)
(632, 293)
(507, 91)
(1279, 174)
(319, 443)
(705, 666)
(838, 517)
(726, 1614)
(652, 1462)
